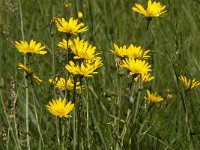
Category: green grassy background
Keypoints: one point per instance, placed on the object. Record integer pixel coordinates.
(174, 44)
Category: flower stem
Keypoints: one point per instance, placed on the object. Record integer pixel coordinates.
(74, 129)
(187, 123)
(26, 82)
(74, 115)
(27, 110)
(87, 117)
(36, 115)
(67, 92)
(62, 134)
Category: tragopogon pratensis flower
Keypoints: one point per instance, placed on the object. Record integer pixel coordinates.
(62, 85)
(154, 9)
(30, 73)
(145, 77)
(153, 97)
(32, 47)
(120, 51)
(189, 83)
(59, 107)
(136, 66)
(64, 44)
(136, 52)
(86, 69)
(83, 50)
(72, 27)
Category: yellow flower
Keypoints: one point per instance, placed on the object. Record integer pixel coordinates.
(80, 15)
(136, 52)
(153, 97)
(154, 9)
(83, 50)
(64, 44)
(30, 72)
(85, 69)
(145, 77)
(120, 51)
(189, 83)
(60, 83)
(32, 47)
(59, 107)
(71, 27)
(136, 66)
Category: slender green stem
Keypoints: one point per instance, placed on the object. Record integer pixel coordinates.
(36, 116)
(140, 87)
(74, 90)
(87, 117)
(187, 123)
(74, 115)
(27, 111)
(62, 134)
(148, 22)
(67, 92)
(74, 129)
(118, 111)
(26, 82)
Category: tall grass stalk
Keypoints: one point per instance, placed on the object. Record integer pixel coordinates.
(187, 121)
(36, 115)
(26, 81)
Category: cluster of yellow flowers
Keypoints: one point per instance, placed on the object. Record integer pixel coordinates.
(154, 9)
(134, 58)
(86, 60)
(84, 63)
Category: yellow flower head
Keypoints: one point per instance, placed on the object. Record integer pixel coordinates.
(154, 9)
(189, 83)
(136, 52)
(32, 47)
(120, 51)
(30, 72)
(145, 77)
(71, 27)
(80, 15)
(136, 66)
(153, 97)
(64, 45)
(59, 107)
(85, 69)
(83, 50)
(60, 83)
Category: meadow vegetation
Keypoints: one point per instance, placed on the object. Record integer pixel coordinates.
(123, 79)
